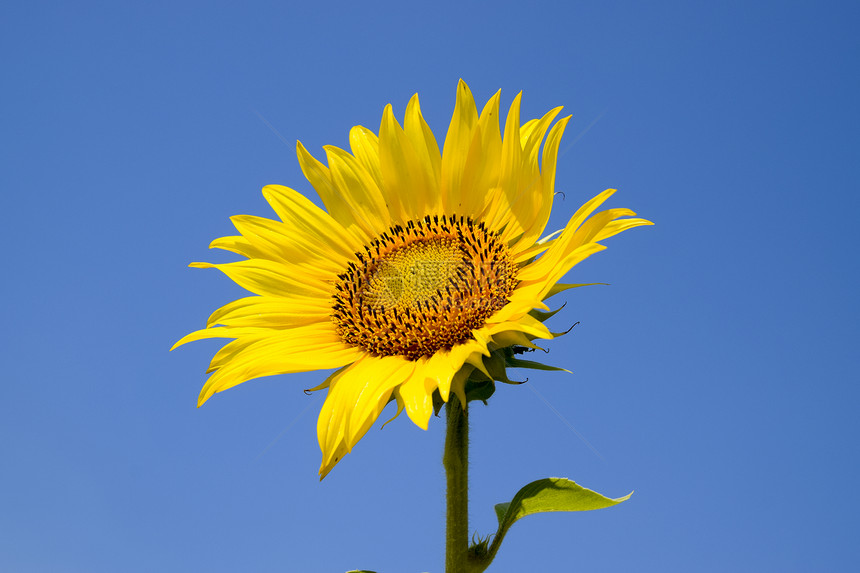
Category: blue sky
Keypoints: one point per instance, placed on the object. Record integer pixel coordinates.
(716, 376)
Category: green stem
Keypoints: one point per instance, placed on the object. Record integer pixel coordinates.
(456, 462)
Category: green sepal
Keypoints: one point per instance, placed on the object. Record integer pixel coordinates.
(438, 402)
(479, 390)
(559, 334)
(475, 390)
(531, 364)
(478, 387)
(561, 287)
(541, 496)
(481, 387)
(496, 364)
(511, 361)
(542, 315)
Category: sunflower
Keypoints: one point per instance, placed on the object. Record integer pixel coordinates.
(425, 271)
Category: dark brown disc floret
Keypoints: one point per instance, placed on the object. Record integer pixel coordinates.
(422, 287)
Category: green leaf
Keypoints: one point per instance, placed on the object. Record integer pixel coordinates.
(541, 496)
(551, 494)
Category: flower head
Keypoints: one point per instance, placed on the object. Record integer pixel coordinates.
(424, 269)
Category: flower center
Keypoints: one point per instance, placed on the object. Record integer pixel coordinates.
(423, 287)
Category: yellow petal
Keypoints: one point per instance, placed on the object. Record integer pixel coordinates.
(365, 147)
(216, 332)
(327, 382)
(359, 191)
(456, 148)
(427, 150)
(239, 245)
(526, 324)
(417, 394)
(276, 241)
(234, 347)
(311, 347)
(336, 455)
(270, 278)
(532, 138)
(406, 187)
(574, 258)
(547, 188)
(509, 177)
(561, 246)
(272, 312)
(479, 188)
(335, 202)
(311, 223)
(588, 230)
(477, 361)
(377, 383)
(458, 384)
(524, 299)
(614, 227)
(508, 338)
(531, 199)
(400, 407)
(356, 397)
(438, 371)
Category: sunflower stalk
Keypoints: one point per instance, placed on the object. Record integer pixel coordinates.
(456, 462)
(460, 555)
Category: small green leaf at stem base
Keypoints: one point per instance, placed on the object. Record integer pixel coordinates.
(543, 495)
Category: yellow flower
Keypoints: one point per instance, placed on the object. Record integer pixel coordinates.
(420, 270)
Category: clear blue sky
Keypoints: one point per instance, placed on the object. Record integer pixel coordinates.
(717, 376)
